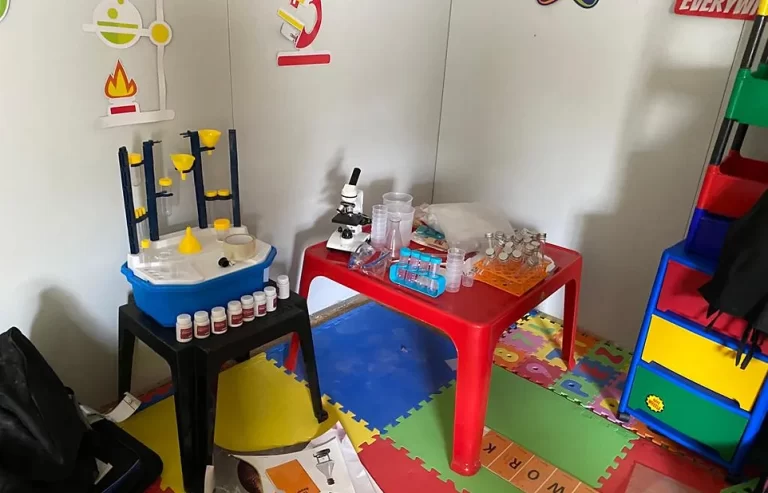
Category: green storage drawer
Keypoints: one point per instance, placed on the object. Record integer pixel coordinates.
(685, 408)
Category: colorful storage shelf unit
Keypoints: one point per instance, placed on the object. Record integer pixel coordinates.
(683, 381)
(728, 192)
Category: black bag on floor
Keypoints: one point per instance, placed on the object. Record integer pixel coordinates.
(41, 427)
(46, 445)
(134, 466)
(740, 284)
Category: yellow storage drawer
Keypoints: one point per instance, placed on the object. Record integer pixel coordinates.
(705, 362)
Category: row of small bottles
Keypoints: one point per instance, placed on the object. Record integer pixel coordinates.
(418, 270)
(523, 249)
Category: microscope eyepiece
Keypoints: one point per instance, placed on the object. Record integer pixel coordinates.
(355, 176)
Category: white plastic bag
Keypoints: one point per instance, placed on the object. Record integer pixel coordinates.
(465, 225)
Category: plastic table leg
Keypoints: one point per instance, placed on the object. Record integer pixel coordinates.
(307, 276)
(570, 316)
(183, 375)
(125, 346)
(473, 381)
(208, 380)
(310, 365)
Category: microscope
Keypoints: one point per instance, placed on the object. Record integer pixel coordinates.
(350, 218)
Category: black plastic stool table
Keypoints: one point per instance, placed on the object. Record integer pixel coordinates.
(195, 370)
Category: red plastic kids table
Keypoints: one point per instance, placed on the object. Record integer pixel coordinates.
(474, 319)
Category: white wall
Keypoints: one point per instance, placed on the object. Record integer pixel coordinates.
(376, 107)
(65, 235)
(592, 125)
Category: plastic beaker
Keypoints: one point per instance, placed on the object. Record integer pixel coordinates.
(222, 228)
(379, 220)
(397, 198)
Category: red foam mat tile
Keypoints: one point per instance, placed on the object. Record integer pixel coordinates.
(395, 472)
(158, 393)
(704, 478)
(155, 488)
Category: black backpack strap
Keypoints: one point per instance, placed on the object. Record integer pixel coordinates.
(743, 344)
(752, 346)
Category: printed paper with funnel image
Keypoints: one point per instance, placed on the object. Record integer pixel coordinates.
(317, 470)
(305, 467)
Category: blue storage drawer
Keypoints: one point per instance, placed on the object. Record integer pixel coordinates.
(707, 234)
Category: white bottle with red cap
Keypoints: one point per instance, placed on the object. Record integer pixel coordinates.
(260, 299)
(184, 331)
(219, 319)
(283, 287)
(271, 294)
(249, 308)
(235, 314)
(202, 325)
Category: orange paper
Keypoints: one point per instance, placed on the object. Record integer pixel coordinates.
(291, 477)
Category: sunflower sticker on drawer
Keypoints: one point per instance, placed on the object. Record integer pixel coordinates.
(654, 403)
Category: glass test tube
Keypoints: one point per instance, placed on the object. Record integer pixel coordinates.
(516, 260)
(423, 279)
(211, 197)
(500, 238)
(434, 267)
(225, 206)
(542, 238)
(142, 228)
(413, 267)
(536, 246)
(164, 202)
(137, 172)
(490, 249)
(402, 266)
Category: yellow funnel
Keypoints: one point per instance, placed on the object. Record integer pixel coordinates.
(189, 244)
(183, 163)
(209, 138)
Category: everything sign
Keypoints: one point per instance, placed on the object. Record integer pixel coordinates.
(726, 9)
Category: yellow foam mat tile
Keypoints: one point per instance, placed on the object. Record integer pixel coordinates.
(155, 427)
(259, 407)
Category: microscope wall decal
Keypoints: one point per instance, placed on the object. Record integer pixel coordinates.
(295, 30)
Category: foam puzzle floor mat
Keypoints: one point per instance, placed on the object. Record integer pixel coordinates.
(259, 407)
(378, 363)
(384, 373)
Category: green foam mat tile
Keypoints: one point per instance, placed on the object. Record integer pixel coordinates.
(748, 487)
(572, 438)
(427, 434)
(555, 429)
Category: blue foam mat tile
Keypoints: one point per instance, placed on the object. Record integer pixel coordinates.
(378, 363)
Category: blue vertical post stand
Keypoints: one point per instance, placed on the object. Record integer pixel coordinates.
(149, 179)
(235, 177)
(130, 219)
(197, 170)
